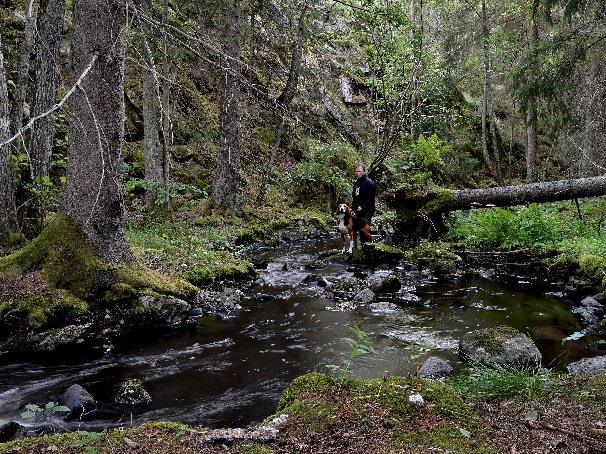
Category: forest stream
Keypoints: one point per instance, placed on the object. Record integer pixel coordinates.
(231, 371)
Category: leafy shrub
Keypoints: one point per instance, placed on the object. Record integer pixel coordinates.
(542, 228)
(176, 192)
(418, 163)
(327, 167)
(529, 227)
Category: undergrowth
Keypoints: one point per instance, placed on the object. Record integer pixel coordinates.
(577, 236)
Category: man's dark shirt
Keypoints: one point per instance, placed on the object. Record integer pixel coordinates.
(363, 195)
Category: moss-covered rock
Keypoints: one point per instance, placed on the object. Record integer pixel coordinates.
(75, 286)
(231, 269)
(502, 345)
(435, 256)
(374, 254)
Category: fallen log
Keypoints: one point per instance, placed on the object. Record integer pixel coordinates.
(422, 213)
(444, 200)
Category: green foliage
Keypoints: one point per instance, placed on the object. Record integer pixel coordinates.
(327, 167)
(176, 193)
(86, 440)
(33, 411)
(500, 382)
(418, 163)
(360, 345)
(529, 227)
(542, 228)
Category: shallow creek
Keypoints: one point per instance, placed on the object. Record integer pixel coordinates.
(231, 372)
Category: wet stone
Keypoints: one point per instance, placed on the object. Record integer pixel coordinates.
(593, 365)
(383, 307)
(501, 345)
(389, 284)
(366, 296)
(259, 434)
(78, 400)
(435, 368)
(597, 346)
(10, 431)
(316, 265)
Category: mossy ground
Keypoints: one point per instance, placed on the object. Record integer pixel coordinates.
(331, 415)
(211, 247)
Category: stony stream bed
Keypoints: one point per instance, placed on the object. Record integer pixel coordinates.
(229, 371)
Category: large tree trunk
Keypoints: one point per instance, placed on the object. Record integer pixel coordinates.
(493, 167)
(94, 196)
(23, 76)
(167, 130)
(8, 211)
(50, 30)
(226, 188)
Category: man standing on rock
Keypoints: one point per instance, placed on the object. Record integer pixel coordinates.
(363, 206)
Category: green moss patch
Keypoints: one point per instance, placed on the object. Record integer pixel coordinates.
(324, 404)
(434, 255)
(37, 312)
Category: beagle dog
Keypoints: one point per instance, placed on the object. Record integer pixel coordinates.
(345, 227)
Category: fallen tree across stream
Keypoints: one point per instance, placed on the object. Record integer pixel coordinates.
(443, 200)
(416, 209)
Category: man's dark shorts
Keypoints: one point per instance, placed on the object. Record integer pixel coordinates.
(359, 221)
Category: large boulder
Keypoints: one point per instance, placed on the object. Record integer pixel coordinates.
(78, 400)
(132, 393)
(389, 284)
(500, 345)
(435, 368)
(595, 365)
(164, 310)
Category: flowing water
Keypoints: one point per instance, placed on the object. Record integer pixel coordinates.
(231, 372)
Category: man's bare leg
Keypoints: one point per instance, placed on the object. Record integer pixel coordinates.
(365, 231)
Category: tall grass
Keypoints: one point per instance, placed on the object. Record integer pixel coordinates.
(500, 382)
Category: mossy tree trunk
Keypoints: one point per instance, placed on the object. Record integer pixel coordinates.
(50, 30)
(94, 196)
(442, 200)
(8, 211)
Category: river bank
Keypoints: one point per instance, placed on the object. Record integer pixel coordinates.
(318, 413)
